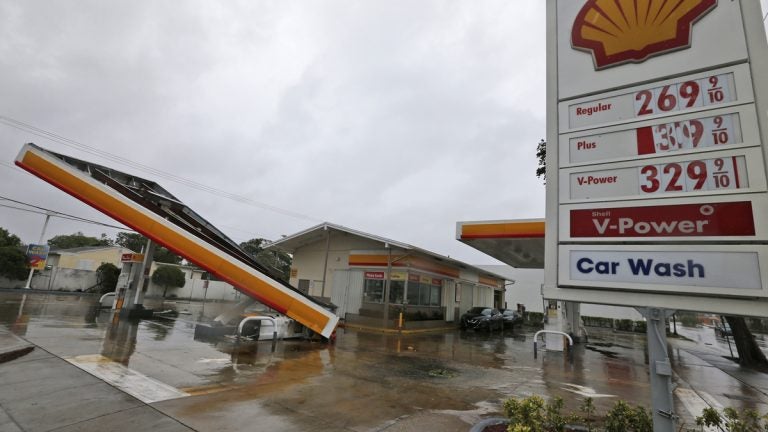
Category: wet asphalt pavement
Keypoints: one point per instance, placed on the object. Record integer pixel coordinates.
(363, 382)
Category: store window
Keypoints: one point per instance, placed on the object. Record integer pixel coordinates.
(424, 291)
(413, 289)
(396, 291)
(436, 291)
(373, 287)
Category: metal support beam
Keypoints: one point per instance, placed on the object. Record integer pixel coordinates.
(662, 402)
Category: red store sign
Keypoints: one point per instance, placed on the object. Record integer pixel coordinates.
(374, 275)
(683, 220)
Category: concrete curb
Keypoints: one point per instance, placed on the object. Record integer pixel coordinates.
(394, 331)
(13, 354)
(13, 347)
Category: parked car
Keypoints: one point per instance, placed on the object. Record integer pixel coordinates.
(511, 318)
(482, 318)
(723, 330)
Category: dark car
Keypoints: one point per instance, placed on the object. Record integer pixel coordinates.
(511, 318)
(482, 318)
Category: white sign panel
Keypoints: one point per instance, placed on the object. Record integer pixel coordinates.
(709, 91)
(697, 175)
(715, 37)
(696, 269)
(657, 128)
(697, 133)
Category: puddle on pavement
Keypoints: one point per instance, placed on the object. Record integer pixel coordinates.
(609, 354)
(460, 374)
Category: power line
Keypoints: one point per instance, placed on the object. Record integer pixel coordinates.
(17, 124)
(17, 169)
(43, 210)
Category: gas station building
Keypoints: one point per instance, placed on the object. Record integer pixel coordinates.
(354, 269)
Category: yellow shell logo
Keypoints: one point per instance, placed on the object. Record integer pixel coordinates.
(621, 31)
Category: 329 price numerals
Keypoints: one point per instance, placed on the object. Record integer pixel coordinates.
(693, 176)
(708, 91)
(689, 134)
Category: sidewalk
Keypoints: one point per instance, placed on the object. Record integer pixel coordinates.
(41, 392)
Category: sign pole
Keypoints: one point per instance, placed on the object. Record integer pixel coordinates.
(662, 402)
(42, 234)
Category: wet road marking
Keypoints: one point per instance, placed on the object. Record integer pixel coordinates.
(134, 383)
(585, 391)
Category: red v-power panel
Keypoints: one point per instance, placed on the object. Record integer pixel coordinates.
(137, 205)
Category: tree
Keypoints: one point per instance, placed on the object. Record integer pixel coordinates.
(13, 261)
(106, 277)
(8, 239)
(168, 277)
(136, 242)
(541, 154)
(278, 262)
(750, 354)
(78, 240)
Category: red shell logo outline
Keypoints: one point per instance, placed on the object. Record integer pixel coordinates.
(631, 31)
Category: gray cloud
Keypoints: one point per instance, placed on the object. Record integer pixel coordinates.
(397, 118)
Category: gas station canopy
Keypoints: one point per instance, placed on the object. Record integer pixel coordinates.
(518, 243)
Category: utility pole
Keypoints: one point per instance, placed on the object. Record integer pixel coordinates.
(42, 234)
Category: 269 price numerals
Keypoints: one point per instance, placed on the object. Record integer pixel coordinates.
(693, 176)
(712, 90)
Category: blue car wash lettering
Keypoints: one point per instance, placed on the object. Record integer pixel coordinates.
(643, 267)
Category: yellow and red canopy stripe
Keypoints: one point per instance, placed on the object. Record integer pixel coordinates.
(527, 229)
(112, 203)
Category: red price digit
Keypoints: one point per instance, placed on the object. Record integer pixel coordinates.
(722, 181)
(720, 135)
(689, 91)
(651, 177)
(646, 97)
(667, 100)
(719, 164)
(676, 170)
(697, 171)
(695, 132)
(714, 92)
(666, 138)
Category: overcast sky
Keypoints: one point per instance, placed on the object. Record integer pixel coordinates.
(398, 118)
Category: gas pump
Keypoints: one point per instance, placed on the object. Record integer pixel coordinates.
(132, 284)
(562, 316)
(127, 281)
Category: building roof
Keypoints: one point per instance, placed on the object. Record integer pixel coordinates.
(317, 233)
(83, 249)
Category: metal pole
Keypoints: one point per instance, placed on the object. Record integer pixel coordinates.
(385, 315)
(42, 234)
(660, 371)
(327, 249)
(146, 266)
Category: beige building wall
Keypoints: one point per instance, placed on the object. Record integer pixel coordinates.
(91, 259)
(308, 261)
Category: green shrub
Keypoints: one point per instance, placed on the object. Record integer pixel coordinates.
(641, 326)
(534, 414)
(687, 319)
(533, 318)
(731, 420)
(623, 324)
(591, 321)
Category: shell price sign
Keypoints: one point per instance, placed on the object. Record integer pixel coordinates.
(656, 188)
